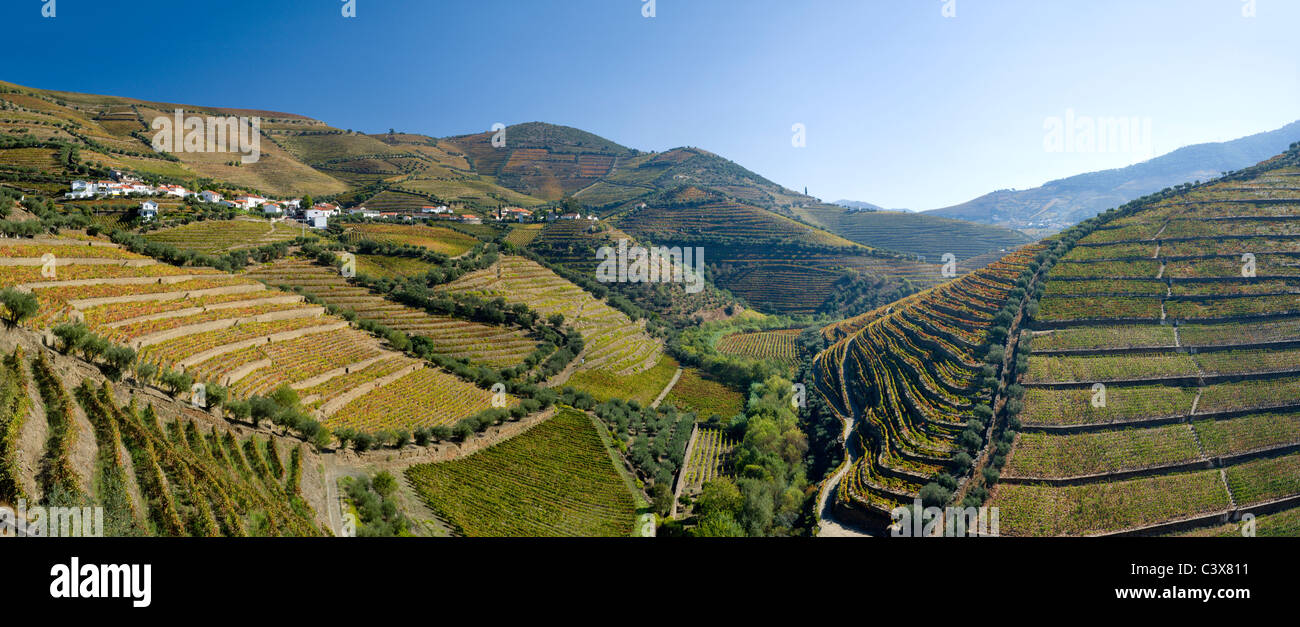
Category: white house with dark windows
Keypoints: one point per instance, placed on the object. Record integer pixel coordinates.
(148, 210)
(209, 196)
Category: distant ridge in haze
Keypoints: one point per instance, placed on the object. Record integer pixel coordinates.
(1061, 203)
(865, 206)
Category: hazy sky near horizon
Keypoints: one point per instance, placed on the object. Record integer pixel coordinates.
(902, 106)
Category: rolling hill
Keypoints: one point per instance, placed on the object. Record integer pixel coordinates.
(1058, 204)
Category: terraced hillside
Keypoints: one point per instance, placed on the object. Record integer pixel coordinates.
(115, 132)
(614, 344)
(920, 234)
(178, 475)
(542, 160)
(1163, 390)
(495, 346)
(233, 331)
(574, 244)
(772, 261)
(914, 385)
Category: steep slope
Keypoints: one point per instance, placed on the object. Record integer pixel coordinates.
(1063, 202)
(115, 132)
(1143, 381)
(1161, 387)
(916, 385)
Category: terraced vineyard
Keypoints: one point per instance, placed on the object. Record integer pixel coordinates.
(218, 236)
(614, 344)
(233, 331)
(911, 380)
(495, 346)
(1169, 401)
(557, 479)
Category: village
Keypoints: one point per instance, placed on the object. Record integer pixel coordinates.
(316, 216)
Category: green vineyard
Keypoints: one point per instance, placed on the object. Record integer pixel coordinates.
(1185, 414)
(557, 479)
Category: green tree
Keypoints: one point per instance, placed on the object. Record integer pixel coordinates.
(18, 305)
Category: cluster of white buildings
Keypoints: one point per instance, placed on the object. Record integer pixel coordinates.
(316, 216)
(99, 189)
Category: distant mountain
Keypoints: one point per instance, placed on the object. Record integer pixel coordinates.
(1064, 202)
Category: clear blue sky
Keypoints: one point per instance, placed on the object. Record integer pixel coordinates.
(903, 107)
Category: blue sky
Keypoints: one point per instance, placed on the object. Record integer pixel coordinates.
(903, 106)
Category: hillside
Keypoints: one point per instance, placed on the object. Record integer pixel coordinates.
(1063, 202)
(1194, 422)
(1139, 380)
(914, 390)
(774, 262)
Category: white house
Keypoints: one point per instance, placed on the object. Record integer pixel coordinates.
(470, 219)
(209, 196)
(148, 210)
(317, 214)
(174, 190)
(271, 209)
(319, 222)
